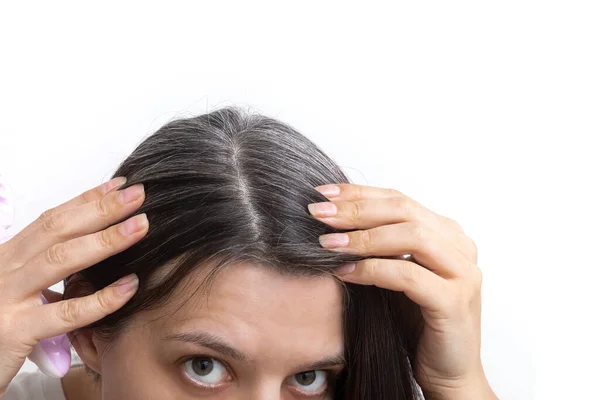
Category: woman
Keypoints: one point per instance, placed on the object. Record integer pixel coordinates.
(239, 280)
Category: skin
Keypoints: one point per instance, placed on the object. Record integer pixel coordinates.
(78, 384)
(282, 325)
(443, 278)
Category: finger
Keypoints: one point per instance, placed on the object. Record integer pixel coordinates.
(419, 284)
(352, 191)
(402, 206)
(369, 213)
(394, 206)
(67, 315)
(86, 218)
(428, 247)
(88, 196)
(366, 214)
(93, 194)
(64, 259)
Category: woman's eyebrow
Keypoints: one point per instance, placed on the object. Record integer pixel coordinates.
(214, 342)
(211, 341)
(325, 362)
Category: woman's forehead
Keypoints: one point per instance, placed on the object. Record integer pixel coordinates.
(259, 312)
(246, 289)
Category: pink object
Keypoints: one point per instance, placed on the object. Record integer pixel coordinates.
(51, 355)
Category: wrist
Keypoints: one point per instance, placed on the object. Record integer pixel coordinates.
(475, 387)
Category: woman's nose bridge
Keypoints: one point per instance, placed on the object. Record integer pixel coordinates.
(273, 395)
(265, 389)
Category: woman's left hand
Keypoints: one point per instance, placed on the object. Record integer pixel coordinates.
(445, 280)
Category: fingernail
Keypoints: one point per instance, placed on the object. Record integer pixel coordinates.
(134, 224)
(326, 209)
(115, 183)
(329, 190)
(334, 240)
(345, 268)
(127, 284)
(132, 193)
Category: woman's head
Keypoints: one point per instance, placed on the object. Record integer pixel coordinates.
(235, 289)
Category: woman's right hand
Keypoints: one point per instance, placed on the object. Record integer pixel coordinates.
(64, 240)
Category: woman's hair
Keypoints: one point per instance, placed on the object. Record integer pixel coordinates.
(231, 186)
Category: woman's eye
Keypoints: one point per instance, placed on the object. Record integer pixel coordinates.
(206, 371)
(310, 382)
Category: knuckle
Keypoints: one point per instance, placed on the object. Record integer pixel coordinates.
(102, 209)
(469, 248)
(408, 272)
(474, 249)
(394, 192)
(402, 204)
(104, 239)
(470, 287)
(366, 240)
(95, 193)
(453, 223)
(359, 192)
(57, 254)
(354, 211)
(52, 223)
(370, 266)
(47, 214)
(468, 300)
(417, 232)
(69, 312)
(477, 277)
(103, 301)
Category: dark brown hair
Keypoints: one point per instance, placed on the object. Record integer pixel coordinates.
(233, 186)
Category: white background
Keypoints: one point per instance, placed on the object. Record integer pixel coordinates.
(486, 112)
